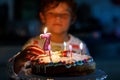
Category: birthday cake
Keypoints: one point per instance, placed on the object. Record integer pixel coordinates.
(58, 63)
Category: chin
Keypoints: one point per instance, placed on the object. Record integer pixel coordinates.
(58, 32)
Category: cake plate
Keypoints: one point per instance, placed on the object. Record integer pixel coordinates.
(97, 75)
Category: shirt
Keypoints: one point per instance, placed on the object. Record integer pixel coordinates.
(74, 41)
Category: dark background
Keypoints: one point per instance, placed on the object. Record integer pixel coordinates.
(98, 25)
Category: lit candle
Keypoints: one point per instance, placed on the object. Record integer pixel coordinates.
(65, 46)
(81, 47)
(47, 37)
(70, 48)
(49, 47)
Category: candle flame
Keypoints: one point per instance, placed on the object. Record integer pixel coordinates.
(81, 45)
(65, 45)
(45, 30)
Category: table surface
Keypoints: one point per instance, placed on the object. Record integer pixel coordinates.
(97, 75)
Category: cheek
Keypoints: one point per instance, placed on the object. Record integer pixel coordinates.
(49, 21)
(67, 23)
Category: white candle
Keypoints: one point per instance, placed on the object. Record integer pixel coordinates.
(81, 47)
(65, 46)
(47, 37)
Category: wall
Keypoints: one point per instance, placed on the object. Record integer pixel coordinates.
(104, 10)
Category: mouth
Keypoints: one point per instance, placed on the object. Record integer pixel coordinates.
(57, 24)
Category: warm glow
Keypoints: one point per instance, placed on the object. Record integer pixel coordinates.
(45, 30)
(81, 45)
(65, 45)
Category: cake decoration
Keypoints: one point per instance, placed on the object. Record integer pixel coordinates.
(47, 37)
(58, 62)
(44, 61)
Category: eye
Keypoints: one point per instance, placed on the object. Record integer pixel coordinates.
(50, 14)
(62, 15)
(65, 15)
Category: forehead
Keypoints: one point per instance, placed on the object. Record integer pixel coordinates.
(61, 7)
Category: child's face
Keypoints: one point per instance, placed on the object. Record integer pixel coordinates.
(57, 19)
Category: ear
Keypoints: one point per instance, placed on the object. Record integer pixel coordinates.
(73, 19)
(42, 17)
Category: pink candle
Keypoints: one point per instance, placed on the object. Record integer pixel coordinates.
(70, 48)
(47, 37)
(49, 47)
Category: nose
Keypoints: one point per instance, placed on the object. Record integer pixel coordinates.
(58, 17)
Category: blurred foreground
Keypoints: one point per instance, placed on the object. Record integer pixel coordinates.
(105, 53)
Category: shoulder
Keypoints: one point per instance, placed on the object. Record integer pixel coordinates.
(74, 39)
(34, 41)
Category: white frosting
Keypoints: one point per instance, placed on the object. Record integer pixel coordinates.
(55, 56)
